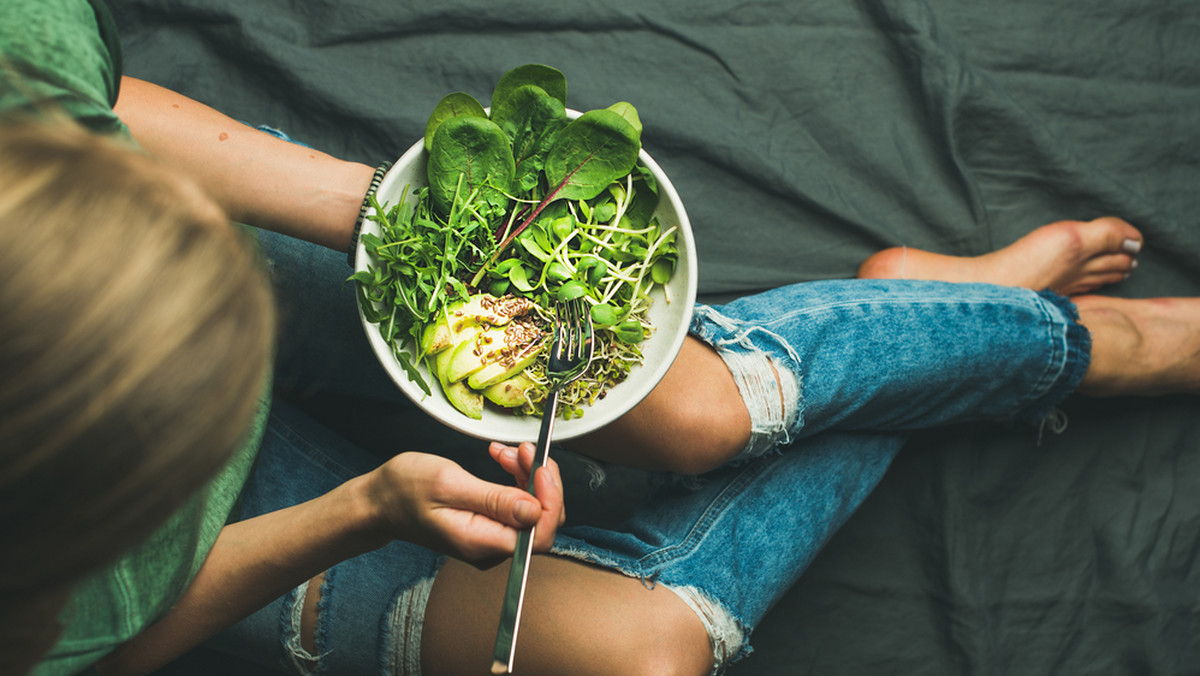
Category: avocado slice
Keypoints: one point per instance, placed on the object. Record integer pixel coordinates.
(470, 355)
(442, 358)
(463, 398)
(503, 345)
(479, 309)
(467, 401)
(436, 337)
(510, 392)
(495, 371)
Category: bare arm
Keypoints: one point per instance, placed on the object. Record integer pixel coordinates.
(417, 497)
(259, 179)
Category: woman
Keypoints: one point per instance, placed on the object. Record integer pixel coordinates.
(319, 519)
(117, 374)
(255, 561)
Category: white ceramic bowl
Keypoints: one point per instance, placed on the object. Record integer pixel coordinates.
(670, 321)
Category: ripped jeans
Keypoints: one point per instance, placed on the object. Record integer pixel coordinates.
(859, 364)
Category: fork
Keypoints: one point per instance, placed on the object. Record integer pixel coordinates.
(570, 355)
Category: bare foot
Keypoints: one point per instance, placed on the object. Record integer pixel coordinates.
(1069, 257)
(1141, 346)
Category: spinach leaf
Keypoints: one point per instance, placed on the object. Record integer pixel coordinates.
(645, 199)
(592, 151)
(457, 104)
(627, 111)
(550, 80)
(470, 159)
(589, 153)
(531, 119)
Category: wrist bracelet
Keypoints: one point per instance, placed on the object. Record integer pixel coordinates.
(380, 171)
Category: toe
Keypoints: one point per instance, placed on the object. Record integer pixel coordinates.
(1113, 235)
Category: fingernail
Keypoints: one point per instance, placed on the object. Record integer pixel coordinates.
(526, 511)
(1131, 246)
(1133, 264)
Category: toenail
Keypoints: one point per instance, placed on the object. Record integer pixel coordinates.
(1131, 246)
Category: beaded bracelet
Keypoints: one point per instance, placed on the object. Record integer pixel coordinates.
(380, 171)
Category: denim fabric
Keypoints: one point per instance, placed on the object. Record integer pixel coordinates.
(860, 363)
(301, 460)
(894, 355)
(734, 542)
(867, 361)
(322, 347)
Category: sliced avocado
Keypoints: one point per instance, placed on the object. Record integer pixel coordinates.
(442, 358)
(503, 369)
(463, 398)
(502, 344)
(480, 309)
(436, 337)
(470, 355)
(467, 401)
(510, 392)
(438, 362)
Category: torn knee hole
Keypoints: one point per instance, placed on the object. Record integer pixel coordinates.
(309, 613)
(301, 642)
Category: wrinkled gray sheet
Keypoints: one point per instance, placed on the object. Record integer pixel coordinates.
(802, 136)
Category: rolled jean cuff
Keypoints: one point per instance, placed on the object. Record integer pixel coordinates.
(1076, 358)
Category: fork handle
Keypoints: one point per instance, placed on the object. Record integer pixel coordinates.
(550, 412)
(518, 574)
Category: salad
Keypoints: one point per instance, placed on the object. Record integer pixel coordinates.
(526, 205)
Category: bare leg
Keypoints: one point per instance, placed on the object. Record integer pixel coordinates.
(1144, 347)
(693, 421)
(578, 619)
(1069, 257)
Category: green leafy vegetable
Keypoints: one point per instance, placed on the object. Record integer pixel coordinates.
(471, 158)
(524, 201)
(458, 104)
(549, 80)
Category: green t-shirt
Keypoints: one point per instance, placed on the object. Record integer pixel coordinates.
(60, 55)
(64, 55)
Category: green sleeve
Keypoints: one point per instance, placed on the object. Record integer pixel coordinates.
(60, 56)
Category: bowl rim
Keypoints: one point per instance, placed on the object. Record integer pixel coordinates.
(489, 428)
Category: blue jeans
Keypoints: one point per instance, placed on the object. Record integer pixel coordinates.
(859, 363)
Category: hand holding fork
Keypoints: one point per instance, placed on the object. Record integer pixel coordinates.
(570, 355)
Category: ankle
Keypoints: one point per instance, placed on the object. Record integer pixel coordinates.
(886, 264)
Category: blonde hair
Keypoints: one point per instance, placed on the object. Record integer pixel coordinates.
(135, 336)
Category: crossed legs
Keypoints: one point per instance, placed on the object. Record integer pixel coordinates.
(696, 420)
(1139, 347)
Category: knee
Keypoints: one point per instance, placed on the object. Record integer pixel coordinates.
(694, 421)
(676, 645)
(700, 435)
(666, 660)
(692, 434)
